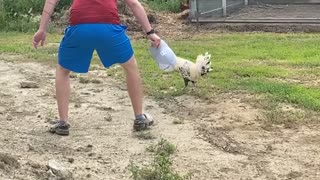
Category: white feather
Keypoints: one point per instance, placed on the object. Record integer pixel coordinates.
(190, 70)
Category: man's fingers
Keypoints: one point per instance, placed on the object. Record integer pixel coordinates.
(156, 43)
(42, 42)
(35, 44)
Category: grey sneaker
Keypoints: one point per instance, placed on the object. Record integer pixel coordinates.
(60, 128)
(143, 124)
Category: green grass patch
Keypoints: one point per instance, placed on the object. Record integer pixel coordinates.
(306, 97)
(161, 166)
(264, 63)
(165, 5)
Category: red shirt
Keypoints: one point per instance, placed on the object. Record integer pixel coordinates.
(94, 11)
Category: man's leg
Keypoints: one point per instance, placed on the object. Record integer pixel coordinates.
(62, 92)
(134, 85)
(61, 127)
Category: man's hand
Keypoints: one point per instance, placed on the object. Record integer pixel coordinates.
(155, 40)
(39, 37)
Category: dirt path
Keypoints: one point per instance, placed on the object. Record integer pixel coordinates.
(218, 140)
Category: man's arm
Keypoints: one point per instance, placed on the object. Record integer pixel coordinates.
(47, 13)
(140, 13)
(40, 35)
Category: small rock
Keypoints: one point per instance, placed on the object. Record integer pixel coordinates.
(88, 168)
(9, 160)
(39, 116)
(51, 176)
(2, 110)
(70, 160)
(59, 170)
(9, 117)
(2, 165)
(34, 165)
(30, 147)
(106, 108)
(91, 154)
(88, 175)
(108, 118)
(27, 84)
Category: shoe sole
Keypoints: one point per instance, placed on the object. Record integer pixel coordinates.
(141, 127)
(62, 132)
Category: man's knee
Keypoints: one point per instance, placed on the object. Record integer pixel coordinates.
(62, 70)
(130, 65)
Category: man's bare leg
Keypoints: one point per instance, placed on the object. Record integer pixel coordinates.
(134, 85)
(62, 92)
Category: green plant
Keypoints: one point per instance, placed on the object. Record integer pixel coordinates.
(161, 166)
(84, 80)
(24, 15)
(166, 5)
(146, 135)
(96, 81)
(177, 121)
(163, 148)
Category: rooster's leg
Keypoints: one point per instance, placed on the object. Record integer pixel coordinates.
(186, 81)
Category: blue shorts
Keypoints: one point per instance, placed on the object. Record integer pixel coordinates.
(109, 40)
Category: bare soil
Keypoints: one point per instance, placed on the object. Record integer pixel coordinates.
(223, 138)
(227, 137)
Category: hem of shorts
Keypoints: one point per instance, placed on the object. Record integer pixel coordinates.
(120, 62)
(71, 69)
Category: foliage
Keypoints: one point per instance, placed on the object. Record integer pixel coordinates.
(24, 15)
(166, 5)
(161, 167)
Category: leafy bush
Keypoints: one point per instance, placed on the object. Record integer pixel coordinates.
(161, 167)
(24, 15)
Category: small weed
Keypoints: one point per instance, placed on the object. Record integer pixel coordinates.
(178, 121)
(96, 81)
(163, 148)
(161, 166)
(73, 75)
(146, 135)
(288, 119)
(83, 80)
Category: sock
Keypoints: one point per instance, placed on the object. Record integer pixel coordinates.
(140, 117)
(62, 122)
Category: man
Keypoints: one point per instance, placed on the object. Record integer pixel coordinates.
(95, 25)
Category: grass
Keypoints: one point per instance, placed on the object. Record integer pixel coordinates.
(145, 135)
(165, 5)
(284, 67)
(161, 166)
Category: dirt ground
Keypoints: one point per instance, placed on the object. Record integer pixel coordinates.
(220, 139)
(224, 138)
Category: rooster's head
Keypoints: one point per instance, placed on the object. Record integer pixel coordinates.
(204, 63)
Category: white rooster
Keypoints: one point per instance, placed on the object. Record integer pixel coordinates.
(191, 71)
